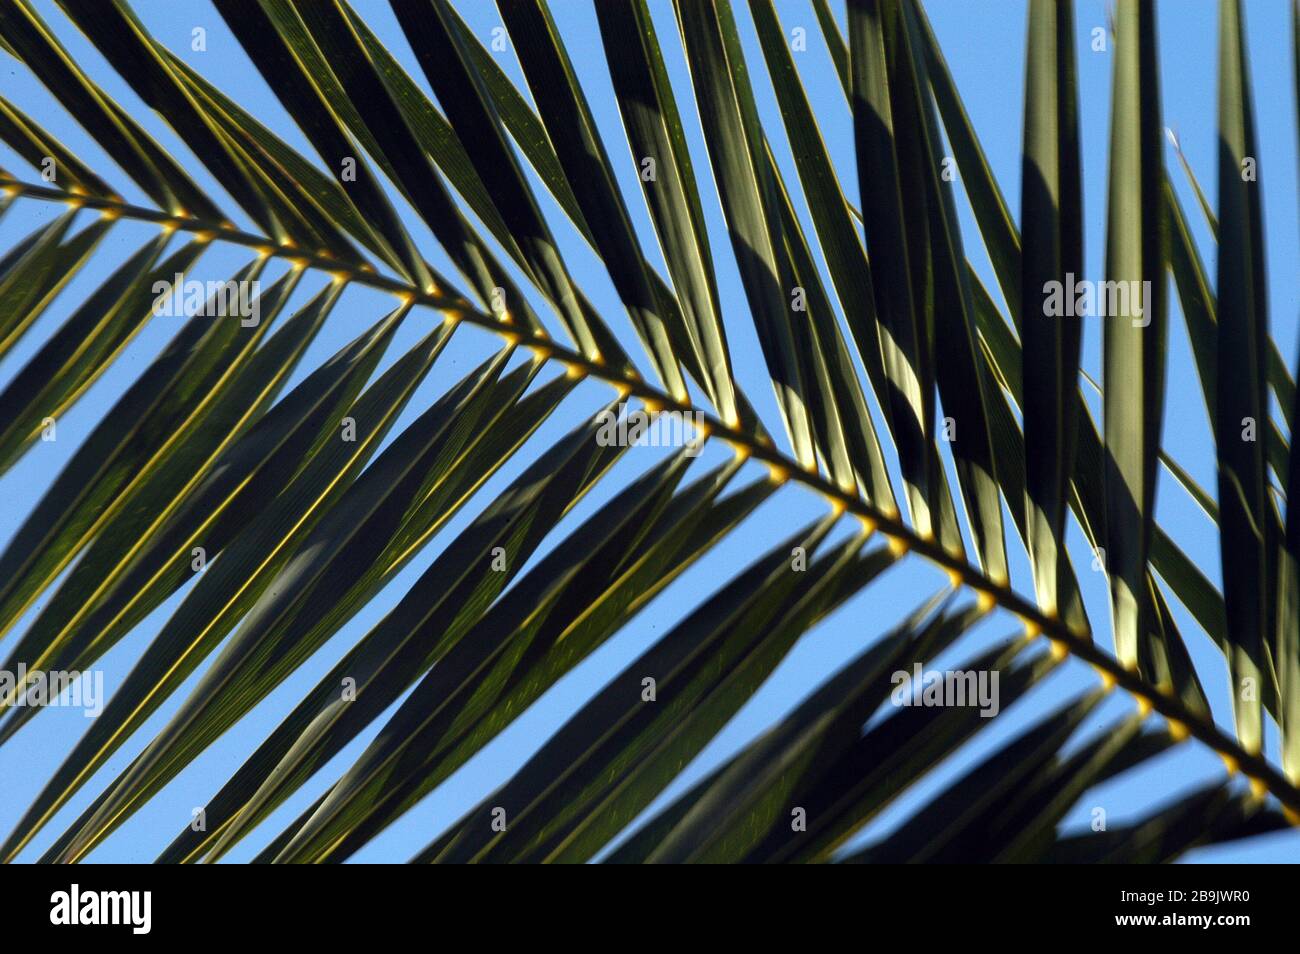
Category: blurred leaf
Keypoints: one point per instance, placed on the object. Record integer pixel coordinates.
(752, 795)
(929, 832)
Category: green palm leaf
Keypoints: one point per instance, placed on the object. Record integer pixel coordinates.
(264, 496)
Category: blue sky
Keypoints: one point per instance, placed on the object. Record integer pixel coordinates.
(984, 44)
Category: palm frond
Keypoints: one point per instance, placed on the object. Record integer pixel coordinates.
(265, 496)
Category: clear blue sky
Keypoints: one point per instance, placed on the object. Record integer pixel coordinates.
(984, 43)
